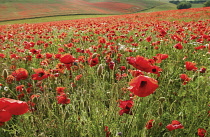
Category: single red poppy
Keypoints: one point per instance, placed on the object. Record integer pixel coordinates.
(20, 88)
(190, 66)
(148, 39)
(2, 55)
(140, 63)
(149, 124)
(201, 132)
(60, 90)
(202, 70)
(185, 79)
(200, 47)
(78, 77)
(57, 56)
(174, 125)
(178, 46)
(20, 74)
(160, 57)
(111, 65)
(40, 74)
(39, 56)
(136, 73)
(156, 70)
(126, 107)
(49, 55)
(14, 107)
(67, 59)
(62, 99)
(93, 61)
(143, 86)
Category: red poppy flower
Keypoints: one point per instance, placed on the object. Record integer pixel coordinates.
(200, 47)
(174, 125)
(126, 107)
(57, 56)
(178, 46)
(20, 74)
(60, 90)
(67, 59)
(5, 116)
(185, 78)
(20, 88)
(143, 86)
(149, 124)
(49, 55)
(39, 56)
(40, 74)
(2, 55)
(35, 51)
(136, 73)
(93, 61)
(202, 70)
(14, 107)
(160, 57)
(2, 123)
(148, 39)
(201, 132)
(140, 63)
(190, 66)
(78, 77)
(122, 68)
(62, 99)
(156, 70)
(111, 65)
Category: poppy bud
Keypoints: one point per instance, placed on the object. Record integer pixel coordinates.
(100, 70)
(94, 55)
(145, 115)
(160, 111)
(5, 73)
(161, 99)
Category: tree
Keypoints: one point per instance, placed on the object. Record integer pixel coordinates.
(184, 5)
(207, 4)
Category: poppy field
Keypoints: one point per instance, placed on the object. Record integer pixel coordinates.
(134, 75)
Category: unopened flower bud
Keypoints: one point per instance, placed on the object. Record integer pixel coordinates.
(100, 70)
(5, 73)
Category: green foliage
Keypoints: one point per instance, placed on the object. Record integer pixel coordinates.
(184, 5)
(207, 4)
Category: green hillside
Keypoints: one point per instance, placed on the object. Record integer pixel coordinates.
(21, 9)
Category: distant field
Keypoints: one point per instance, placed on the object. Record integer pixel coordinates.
(162, 7)
(21, 9)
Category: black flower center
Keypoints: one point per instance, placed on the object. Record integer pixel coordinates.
(41, 74)
(143, 83)
(154, 70)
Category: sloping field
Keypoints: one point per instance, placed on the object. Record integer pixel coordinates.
(20, 9)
